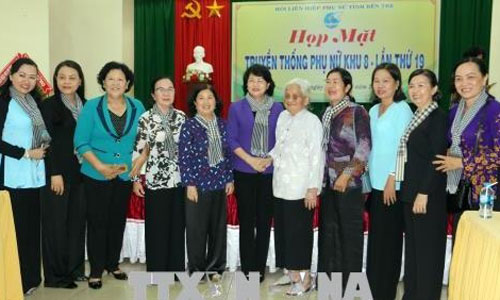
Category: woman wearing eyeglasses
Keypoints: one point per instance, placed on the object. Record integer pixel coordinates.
(158, 135)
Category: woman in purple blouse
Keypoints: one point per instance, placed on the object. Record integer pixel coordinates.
(206, 170)
(347, 142)
(251, 135)
(474, 120)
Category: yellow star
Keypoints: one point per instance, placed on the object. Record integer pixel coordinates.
(214, 9)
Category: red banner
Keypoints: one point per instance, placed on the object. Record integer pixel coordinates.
(205, 23)
(43, 84)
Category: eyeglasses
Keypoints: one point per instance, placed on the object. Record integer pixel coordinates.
(165, 90)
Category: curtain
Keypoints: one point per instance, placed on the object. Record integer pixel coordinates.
(214, 34)
(153, 44)
(464, 23)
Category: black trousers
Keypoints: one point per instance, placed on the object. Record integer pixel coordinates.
(63, 233)
(106, 215)
(254, 194)
(206, 232)
(385, 246)
(165, 226)
(425, 245)
(340, 239)
(279, 233)
(295, 234)
(26, 212)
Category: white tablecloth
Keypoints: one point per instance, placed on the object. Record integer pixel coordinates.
(134, 249)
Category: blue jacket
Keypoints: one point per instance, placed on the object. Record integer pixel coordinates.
(95, 132)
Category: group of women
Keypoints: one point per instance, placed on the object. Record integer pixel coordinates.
(75, 162)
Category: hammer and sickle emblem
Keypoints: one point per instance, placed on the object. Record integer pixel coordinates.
(192, 10)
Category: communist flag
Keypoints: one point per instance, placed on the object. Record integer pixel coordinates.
(205, 23)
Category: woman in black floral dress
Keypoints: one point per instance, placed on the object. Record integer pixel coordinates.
(156, 143)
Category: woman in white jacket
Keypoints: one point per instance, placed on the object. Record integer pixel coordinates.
(298, 171)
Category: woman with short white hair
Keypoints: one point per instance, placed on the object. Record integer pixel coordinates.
(298, 172)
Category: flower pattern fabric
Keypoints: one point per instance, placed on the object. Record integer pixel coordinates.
(162, 170)
(483, 166)
(193, 158)
(349, 146)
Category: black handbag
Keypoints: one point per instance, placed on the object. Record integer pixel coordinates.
(461, 200)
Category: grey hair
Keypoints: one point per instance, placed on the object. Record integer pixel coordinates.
(303, 84)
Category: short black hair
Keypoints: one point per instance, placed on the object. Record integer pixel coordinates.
(5, 88)
(74, 65)
(475, 51)
(156, 79)
(153, 84)
(431, 76)
(260, 71)
(194, 94)
(346, 79)
(481, 65)
(395, 74)
(113, 65)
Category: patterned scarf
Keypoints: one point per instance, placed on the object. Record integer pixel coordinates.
(169, 143)
(215, 154)
(418, 117)
(75, 108)
(260, 132)
(330, 113)
(28, 104)
(460, 122)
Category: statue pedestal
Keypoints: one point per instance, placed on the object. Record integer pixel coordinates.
(191, 86)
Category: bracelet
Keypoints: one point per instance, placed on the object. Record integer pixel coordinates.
(26, 154)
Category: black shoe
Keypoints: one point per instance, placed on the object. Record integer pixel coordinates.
(70, 285)
(262, 276)
(61, 285)
(203, 279)
(119, 274)
(80, 278)
(95, 284)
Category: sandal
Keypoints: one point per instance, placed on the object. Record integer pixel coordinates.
(297, 289)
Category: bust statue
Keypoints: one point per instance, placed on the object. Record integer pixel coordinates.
(199, 65)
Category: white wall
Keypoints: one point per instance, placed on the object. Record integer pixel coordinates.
(91, 32)
(495, 49)
(25, 29)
